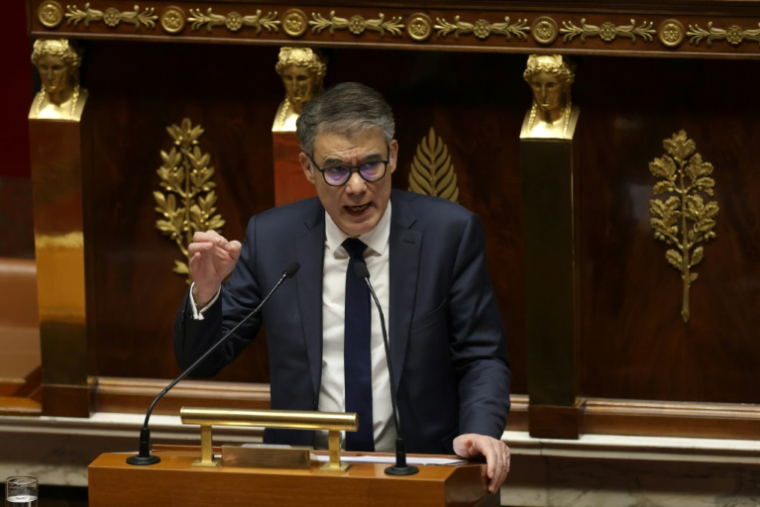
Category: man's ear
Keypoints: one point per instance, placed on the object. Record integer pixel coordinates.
(393, 156)
(308, 169)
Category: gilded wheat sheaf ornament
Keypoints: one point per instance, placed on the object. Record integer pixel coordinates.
(432, 171)
(189, 204)
(684, 218)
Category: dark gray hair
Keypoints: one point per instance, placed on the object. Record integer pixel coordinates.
(347, 109)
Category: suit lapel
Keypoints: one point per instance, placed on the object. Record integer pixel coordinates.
(405, 247)
(310, 248)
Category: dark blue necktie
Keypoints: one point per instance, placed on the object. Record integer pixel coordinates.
(357, 352)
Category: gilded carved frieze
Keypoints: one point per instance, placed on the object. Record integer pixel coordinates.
(683, 218)
(432, 171)
(189, 202)
(734, 34)
(529, 31)
(234, 21)
(111, 16)
(482, 29)
(607, 31)
(356, 24)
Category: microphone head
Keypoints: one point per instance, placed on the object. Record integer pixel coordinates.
(291, 269)
(361, 270)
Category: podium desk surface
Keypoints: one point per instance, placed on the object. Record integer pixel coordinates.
(175, 482)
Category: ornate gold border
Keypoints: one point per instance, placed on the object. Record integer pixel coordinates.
(233, 21)
(607, 31)
(111, 16)
(481, 28)
(356, 24)
(734, 34)
(419, 27)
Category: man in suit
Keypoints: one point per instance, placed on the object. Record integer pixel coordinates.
(426, 259)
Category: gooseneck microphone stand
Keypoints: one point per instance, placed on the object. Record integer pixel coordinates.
(144, 457)
(400, 468)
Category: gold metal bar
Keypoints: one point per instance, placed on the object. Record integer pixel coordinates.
(281, 419)
(334, 422)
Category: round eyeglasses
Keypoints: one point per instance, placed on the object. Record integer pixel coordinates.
(338, 175)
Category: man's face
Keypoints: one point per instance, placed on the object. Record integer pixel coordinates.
(547, 91)
(299, 85)
(54, 73)
(357, 206)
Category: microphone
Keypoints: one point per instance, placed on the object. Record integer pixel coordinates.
(400, 468)
(144, 457)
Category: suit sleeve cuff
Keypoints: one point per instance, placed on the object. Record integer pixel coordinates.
(198, 312)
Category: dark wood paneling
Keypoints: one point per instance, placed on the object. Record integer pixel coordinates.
(139, 90)
(67, 400)
(125, 395)
(16, 217)
(634, 343)
(671, 419)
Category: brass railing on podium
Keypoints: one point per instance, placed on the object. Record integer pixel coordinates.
(333, 422)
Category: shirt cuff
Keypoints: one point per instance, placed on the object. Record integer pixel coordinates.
(198, 313)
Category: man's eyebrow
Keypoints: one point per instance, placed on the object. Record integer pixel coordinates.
(339, 161)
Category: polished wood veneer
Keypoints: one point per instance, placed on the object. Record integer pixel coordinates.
(173, 481)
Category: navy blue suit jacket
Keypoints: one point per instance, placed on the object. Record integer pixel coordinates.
(446, 335)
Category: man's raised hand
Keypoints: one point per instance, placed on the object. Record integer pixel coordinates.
(212, 259)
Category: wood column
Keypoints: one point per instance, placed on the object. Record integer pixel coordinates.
(59, 152)
(546, 167)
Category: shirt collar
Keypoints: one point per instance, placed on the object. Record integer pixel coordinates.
(376, 240)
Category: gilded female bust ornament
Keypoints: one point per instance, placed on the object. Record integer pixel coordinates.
(552, 114)
(61, 98)
(302, 71)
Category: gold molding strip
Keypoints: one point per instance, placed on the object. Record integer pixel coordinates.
(356, 24)
(685, 218)
(432, 171)
(734, 34)
(608, 31)
(234, 21)
(419, 27)
(482, 29)
(111, 16)
(185, 174)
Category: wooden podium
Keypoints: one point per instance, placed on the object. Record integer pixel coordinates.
(173, 481)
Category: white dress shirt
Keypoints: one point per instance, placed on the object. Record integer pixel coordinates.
(332, 392)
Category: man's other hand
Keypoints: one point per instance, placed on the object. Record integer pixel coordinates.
(494, 451)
